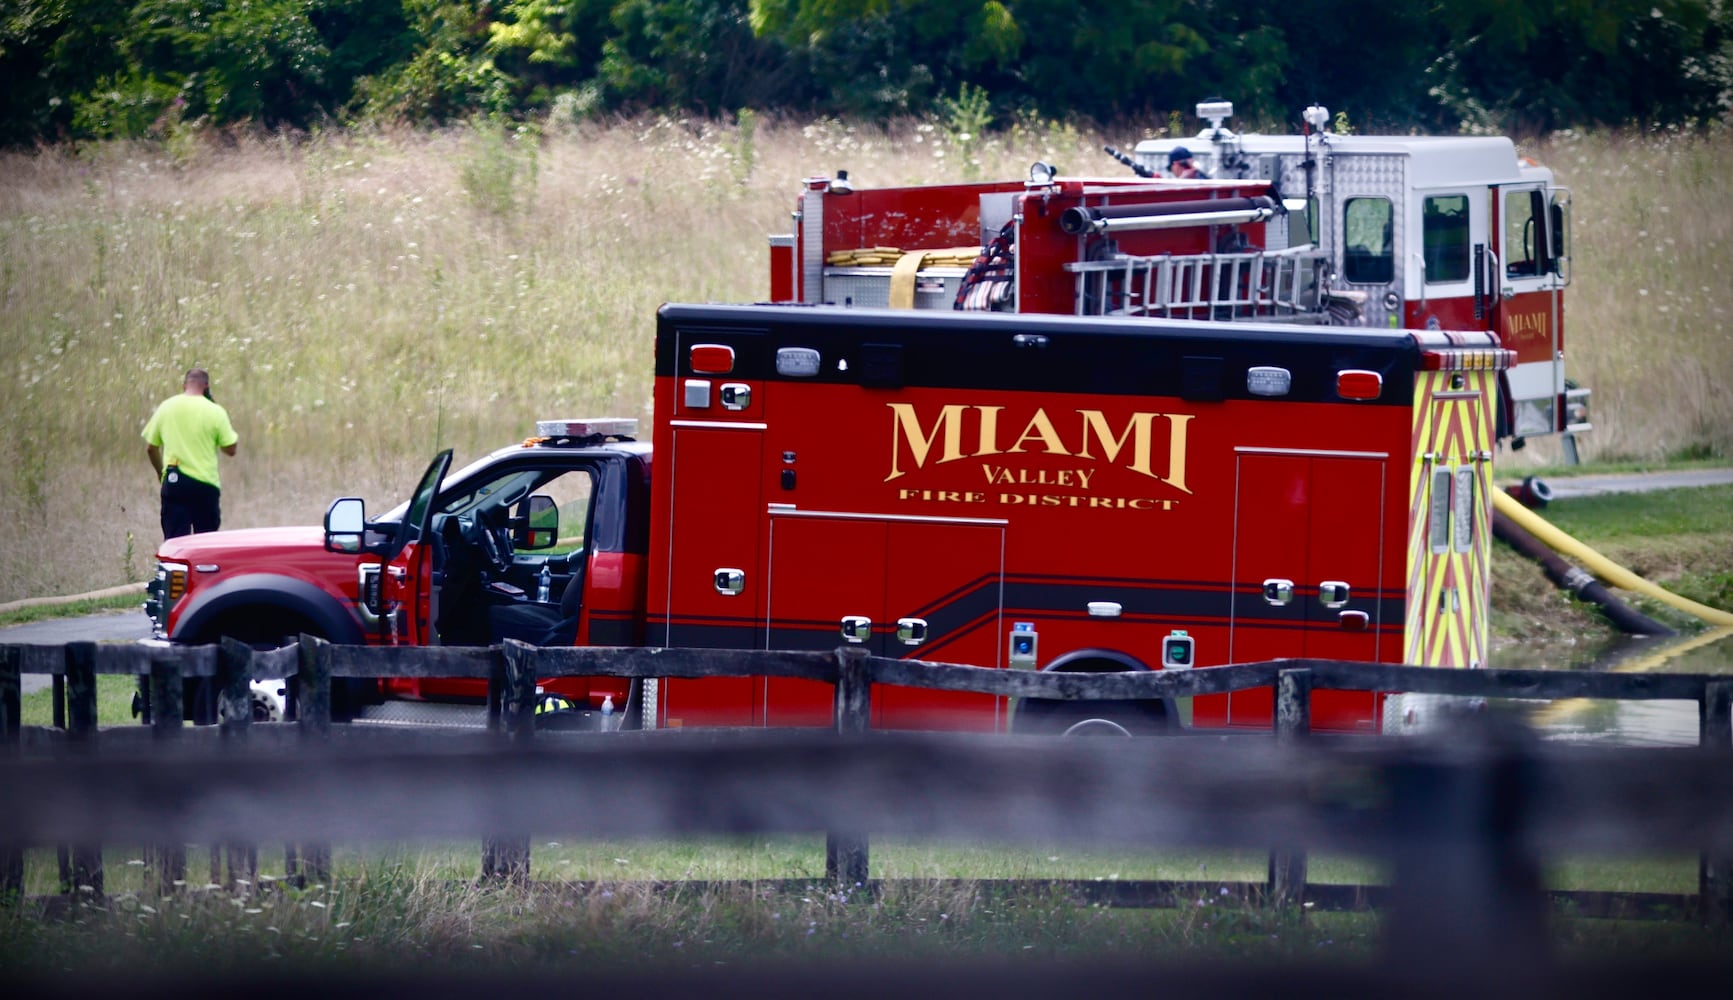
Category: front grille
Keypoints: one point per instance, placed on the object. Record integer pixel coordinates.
(165, 588)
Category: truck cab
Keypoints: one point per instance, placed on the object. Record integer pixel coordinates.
(542, 541)
(1430, 232)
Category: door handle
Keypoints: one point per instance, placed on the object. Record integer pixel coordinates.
(730, 582)
(856, 628)
(911, 631)
(1333, 594)
(1278, 592)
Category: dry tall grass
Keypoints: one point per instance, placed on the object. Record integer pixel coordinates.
(362, 299)
(1648, 311)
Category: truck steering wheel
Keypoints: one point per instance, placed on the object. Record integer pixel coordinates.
(493, 536)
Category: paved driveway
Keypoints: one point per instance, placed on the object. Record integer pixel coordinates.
(114, 626)
(1635, 482)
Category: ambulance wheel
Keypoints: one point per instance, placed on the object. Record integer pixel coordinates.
(1052, 717)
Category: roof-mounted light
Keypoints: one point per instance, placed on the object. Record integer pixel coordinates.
(1215, 112)
(622, 428)
(1467, 359)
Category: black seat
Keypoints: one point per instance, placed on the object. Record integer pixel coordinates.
(541, 624)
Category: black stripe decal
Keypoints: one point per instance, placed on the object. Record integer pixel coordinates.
(1095, 355)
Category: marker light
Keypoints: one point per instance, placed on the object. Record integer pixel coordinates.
(1355, 383)
(712, 359)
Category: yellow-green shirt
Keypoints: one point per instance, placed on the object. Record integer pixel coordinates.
(190, 430)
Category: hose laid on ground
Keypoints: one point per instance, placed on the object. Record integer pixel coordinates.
(1600, 565)
(1583, 586)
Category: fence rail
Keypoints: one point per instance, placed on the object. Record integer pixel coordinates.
(1463, 818)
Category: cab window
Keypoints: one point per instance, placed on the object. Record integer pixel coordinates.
(572, 494)
(1444, 238)
(1368, 251)
(1525, 247)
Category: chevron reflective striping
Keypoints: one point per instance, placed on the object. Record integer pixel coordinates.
(1448, 591)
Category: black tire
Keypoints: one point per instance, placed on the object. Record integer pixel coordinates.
(265, 628)
(1052, 717)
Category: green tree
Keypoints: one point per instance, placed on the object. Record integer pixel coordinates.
(891, 56)
(699, 54)
(549, 45)
(105, 68)
(1541, 64)
(448, 75)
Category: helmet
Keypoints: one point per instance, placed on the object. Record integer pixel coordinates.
(1177, 154)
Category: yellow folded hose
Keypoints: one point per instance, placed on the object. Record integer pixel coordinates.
(1600, 565)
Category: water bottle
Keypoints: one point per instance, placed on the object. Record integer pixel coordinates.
(607, 712)
(543, 582)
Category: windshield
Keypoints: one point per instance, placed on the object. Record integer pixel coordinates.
(501, 492)
(459, 480)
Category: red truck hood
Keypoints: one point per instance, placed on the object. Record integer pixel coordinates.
(252, 543)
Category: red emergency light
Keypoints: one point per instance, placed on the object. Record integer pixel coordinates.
(711, 359)
(1355, 383)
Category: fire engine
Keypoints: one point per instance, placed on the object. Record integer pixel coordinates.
(1008, 490)
(1320, 228)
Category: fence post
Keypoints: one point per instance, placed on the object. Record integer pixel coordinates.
(11, 699)
(1715, 871)
(507, 857)
(235, 719)
(1286, 885)
(845, 852)
(313, 690)
(11, 744)
(169, 861)
(1464, 881)
(83, 873)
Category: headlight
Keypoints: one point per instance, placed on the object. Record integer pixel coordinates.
(165, 588)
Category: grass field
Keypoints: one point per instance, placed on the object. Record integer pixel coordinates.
(363, 298)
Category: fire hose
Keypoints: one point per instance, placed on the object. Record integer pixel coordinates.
(1596, 563)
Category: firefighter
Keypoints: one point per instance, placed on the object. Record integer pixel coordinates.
(1180, 165)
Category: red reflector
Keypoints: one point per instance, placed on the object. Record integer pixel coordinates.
(712, 359)
(1353, 383)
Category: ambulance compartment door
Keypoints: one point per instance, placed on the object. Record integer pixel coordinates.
(908, 588)
(1307, 565)
(715, 590)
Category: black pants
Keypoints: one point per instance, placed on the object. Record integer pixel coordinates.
(189, 506)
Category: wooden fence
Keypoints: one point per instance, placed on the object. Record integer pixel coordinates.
(1463, 817)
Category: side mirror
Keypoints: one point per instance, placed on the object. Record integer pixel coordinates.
(345, 525)
(538, 524)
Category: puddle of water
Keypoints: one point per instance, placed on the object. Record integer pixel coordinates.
(1627, 723)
